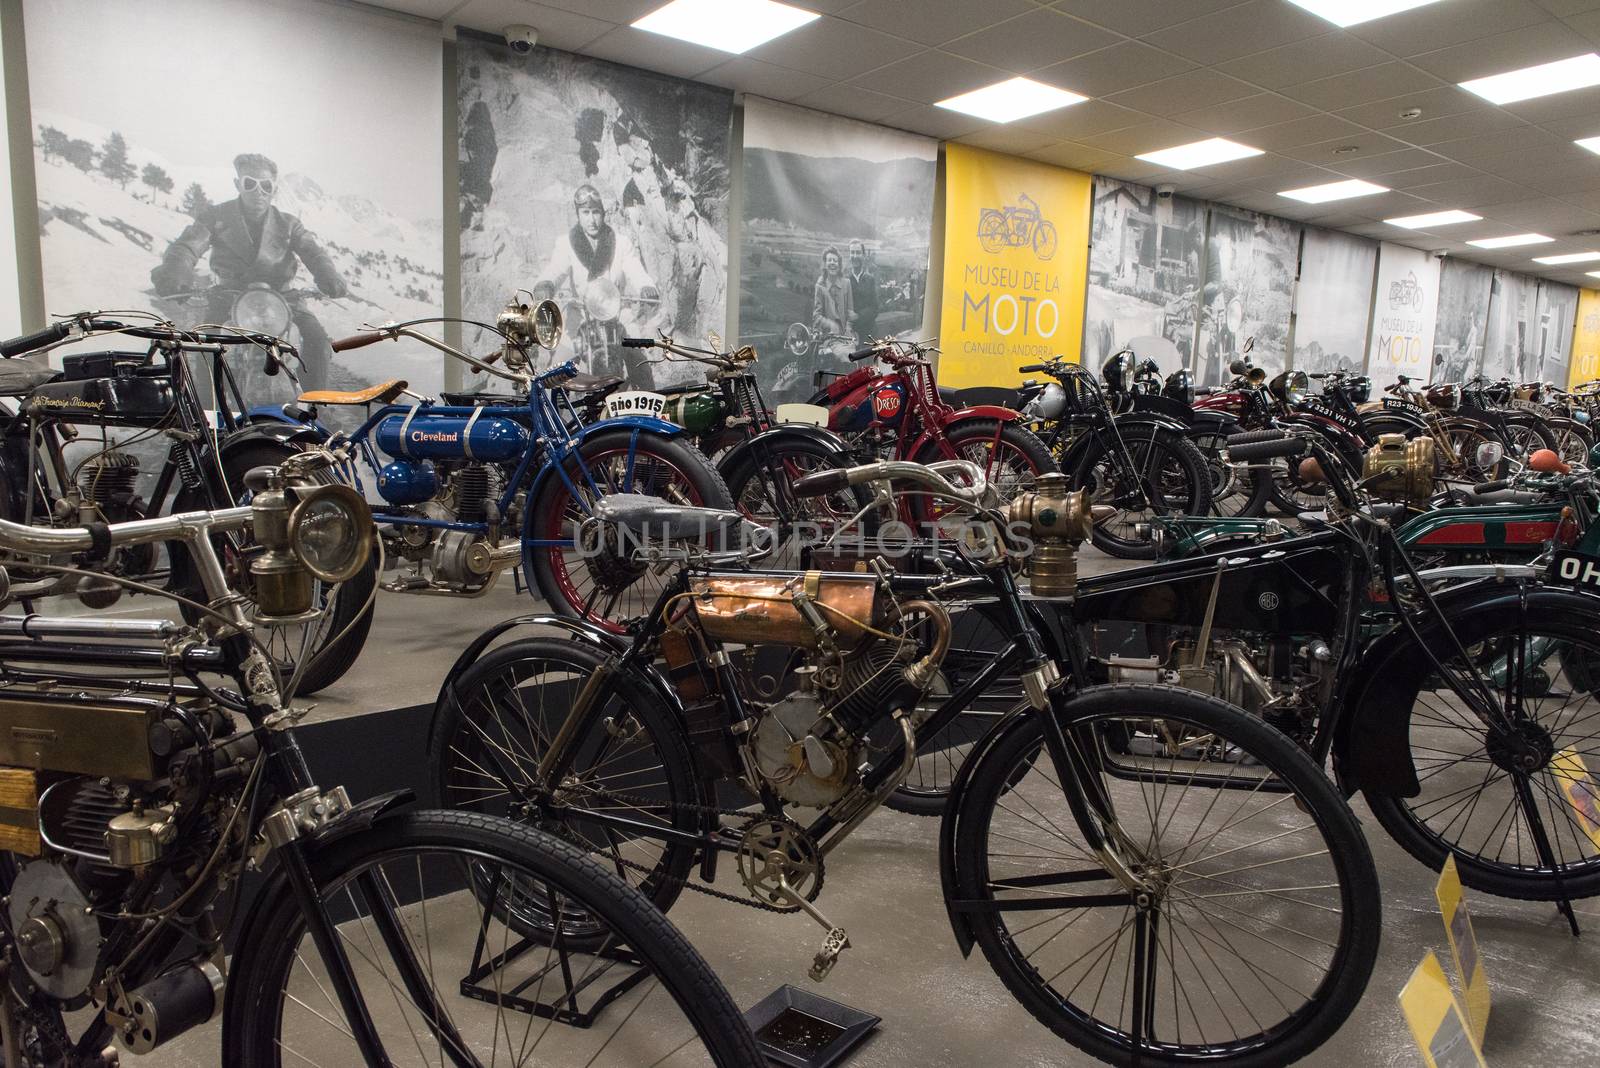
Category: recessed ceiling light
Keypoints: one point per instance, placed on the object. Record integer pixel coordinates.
(1350, 12)
(1432, 219)
(1563, 75)
(1512, 241)
(1321, 194)
(1594, 274)
(1200, 154)
(1571, 257)
(1011, 100)
(726, 25)
(1591, 143)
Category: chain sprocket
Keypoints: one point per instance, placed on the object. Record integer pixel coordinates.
(777, 850)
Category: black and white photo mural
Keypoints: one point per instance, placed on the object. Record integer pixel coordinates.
(1549, 348)
(1462, 325)
(235, 161)
(1146, 258)
(1332, 301)
(838, 216)
(1513, 302)
(1250, 262)
(601, 186)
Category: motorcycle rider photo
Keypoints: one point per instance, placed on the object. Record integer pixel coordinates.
(254, 245)
(591, 253)
(865, 300)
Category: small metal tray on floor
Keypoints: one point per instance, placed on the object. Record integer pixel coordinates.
(798, 1029)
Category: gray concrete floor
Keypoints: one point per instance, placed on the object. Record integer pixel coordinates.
(883, 887)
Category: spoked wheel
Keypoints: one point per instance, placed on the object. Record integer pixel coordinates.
(1525, 434)
(1011, 456)
(1249, 924)
(1168, 476)
(1517, 807)
(1235, 491)
(1573, 440)
(597, 582)
(496, 725)
(415, 935)
(760, 486)
(1465, 436)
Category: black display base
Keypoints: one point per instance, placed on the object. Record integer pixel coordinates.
(798, 1029)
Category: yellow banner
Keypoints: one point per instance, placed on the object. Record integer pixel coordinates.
(1016, 240)
(1586, 339)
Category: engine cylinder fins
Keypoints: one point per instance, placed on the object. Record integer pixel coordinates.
(108, 475)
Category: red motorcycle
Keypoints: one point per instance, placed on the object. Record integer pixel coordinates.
(898, 414)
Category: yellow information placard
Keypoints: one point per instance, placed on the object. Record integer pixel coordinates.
(1586, 339)
(1016, 262)
(1580, 789)
(1464, 947)
(1435, 1019)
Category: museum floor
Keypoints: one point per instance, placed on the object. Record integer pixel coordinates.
(883, 887)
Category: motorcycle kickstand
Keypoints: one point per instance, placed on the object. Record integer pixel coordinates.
(833, 945)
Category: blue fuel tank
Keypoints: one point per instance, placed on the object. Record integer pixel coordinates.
(490, 438)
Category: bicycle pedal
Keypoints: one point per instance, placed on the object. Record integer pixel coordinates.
(832, 946)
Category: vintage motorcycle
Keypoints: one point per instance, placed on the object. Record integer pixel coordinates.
(900, 414)
(1139, 462)
(486, 482)
(61, 465)
(142, 794)
(1091, 822)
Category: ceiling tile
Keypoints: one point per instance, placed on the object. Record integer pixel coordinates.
(1307, 131)
(1516, 139)
(1252, 112)
(1425, 29)
(1547, 215)
(1035, 40)
(1269, 169)
(1137, 170)
(1072, 154)
(1433, 172)
(1363, 86)
(1237, 31)
(763, 79)
(637, 48)
(833, 48)
(1303, 61)
(1111, 70)
(929, 121)
(1146, 137)
(1365, 144)
(1578, 126)
(1082, 120)
(1440, 102)
(1512, 50)
(931, 24)
(1378, 167)
(1587, 24)
(622, 11)
(557, 28)
(858, 103)
(1427, 132)
(1195, 89)
(1136, 17)
(1545, 109)
(1017, 140)
(930, 77)
(1468, 193)
(427, 9)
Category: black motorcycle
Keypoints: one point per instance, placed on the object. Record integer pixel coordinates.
(61, 464)
(1140, 463)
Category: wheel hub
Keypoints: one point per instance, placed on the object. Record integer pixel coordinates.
(1526, 748)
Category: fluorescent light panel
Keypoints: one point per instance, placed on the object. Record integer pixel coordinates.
(727, 25)
(1511, 241)
(1321, 194)
(1350, 12)
(1433, 219)
(1200, 154)
(1591, 143)
(1008, 101)
(1562, 76)
(1571, 257)
(1594, 274)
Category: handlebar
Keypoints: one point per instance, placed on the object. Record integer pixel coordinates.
(638, 343)
(1253, 447)
(1033, 367)
(357, 341)
(21, 538)
(1490, 487)
(28, 342)
(862, 354)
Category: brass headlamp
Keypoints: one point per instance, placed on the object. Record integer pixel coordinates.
(1399, 470)
(311, 531)
(1056, 520)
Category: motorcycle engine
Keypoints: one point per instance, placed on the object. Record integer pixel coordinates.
(106, 494)
(458, 560)
(1279, 680)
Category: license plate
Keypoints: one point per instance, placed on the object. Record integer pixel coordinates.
(1393, 405)
(1575, 569)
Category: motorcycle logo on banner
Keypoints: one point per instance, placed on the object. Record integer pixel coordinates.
(1014, 274)
(1402, 330)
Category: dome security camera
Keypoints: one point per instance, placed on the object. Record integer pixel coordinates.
(1164, 192)
(521, 38)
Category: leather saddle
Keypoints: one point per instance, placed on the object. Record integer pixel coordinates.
(20, 376)
(591, 383)
(382, 393)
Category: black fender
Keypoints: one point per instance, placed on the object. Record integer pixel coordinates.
(1208, 422)
(949, 823)
(1389, 421)
(1134, 426)
(823, 438)
(273, 432)
(1371, 739)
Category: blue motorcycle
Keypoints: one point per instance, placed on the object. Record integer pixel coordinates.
(477, 483)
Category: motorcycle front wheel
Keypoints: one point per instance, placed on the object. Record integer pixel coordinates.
(598, 583)
(1172, 479)
(1253, 921)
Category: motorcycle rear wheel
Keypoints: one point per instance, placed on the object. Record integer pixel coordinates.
(1174, 480)
(761, 491)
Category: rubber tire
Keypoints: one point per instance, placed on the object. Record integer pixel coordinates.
(685, 457)
(267, 950)
(1283, 504)
(1015, 435)
(329, 663)
(660, 722)
(1195, 473)
(738, 475)
(1317, 795)
(1392, 815)
(1535, 426)
(1207, 441)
